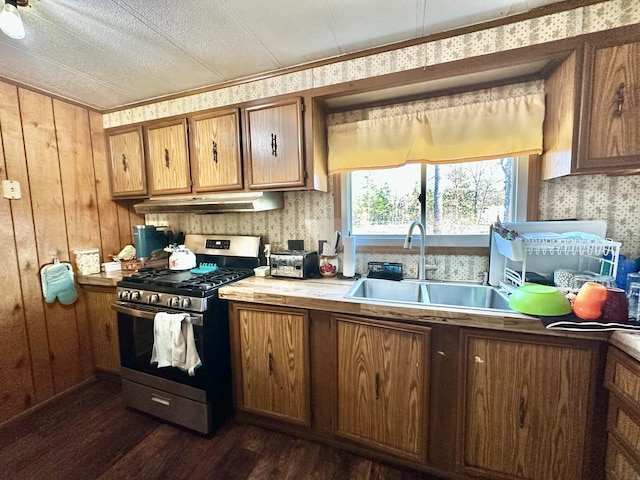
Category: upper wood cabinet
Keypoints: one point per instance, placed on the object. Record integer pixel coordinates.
(275, 148)
(526, 407)
(612, 107)
(382, 385)
(271, 357)
(216, 162)
(592, 122)
(168, 157)
(126, 162)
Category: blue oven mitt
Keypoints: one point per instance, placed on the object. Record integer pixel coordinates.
(57, 282)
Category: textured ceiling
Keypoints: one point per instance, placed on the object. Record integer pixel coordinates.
(111, 53)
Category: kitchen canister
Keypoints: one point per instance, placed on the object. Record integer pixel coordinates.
(87, 261)
(328, 265)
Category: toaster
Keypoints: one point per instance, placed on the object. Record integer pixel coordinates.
(295, 264)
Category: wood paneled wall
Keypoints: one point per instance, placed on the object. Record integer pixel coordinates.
(56, 150)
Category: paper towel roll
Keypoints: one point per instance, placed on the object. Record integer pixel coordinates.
(349, 257)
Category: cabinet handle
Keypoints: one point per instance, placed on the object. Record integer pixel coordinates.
(161, 400)
(274, 145)
(619, 100)
(166, 158)
(270, 363)
(107, 331)
(377, 386)
(125, 164)
(522, 411)
(214, 151)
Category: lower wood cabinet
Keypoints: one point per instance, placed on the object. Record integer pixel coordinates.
(623, 420)
(382, 384)
(270, 358)
(103, 325)
(526, 406)
(450, 401)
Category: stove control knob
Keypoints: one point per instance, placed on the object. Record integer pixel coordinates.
(135, 296)
(154, 298)
(186, 303)
(174, 302)
(124, 294)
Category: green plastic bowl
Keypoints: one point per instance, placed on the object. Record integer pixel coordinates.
(539, 300)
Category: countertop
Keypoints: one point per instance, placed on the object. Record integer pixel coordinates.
(102, 279)
(328, 294)
(627, 342)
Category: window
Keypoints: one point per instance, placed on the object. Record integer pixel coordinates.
(456, 202)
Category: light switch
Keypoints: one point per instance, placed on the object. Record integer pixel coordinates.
(11, 189)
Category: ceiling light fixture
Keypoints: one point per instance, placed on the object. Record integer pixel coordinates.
(10, 21)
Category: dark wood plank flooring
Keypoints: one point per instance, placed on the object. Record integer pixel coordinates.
(89, 434)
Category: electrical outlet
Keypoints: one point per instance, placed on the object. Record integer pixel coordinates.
(11, 189)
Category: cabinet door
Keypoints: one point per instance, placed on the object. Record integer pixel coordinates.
(275, 156)
(215, 151)
(614, 103)
(168, 157)
(525, 407)
(382, 385)
(274, 361)
(126, 163)
(103, 325)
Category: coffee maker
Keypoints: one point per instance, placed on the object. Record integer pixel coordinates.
(146, 239)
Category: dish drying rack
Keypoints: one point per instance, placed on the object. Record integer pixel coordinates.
(595, 255)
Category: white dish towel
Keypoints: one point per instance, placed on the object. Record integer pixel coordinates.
(173, 342)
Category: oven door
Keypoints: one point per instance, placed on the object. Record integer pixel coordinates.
(135, 330)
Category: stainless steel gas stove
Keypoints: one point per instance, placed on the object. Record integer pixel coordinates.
(201, 401)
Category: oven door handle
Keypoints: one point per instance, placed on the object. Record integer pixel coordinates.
(150, 315)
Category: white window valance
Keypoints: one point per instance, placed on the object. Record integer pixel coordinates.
(478, 131)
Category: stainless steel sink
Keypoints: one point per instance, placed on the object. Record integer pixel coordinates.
(388, 290)
(465, 295)
(429, 293)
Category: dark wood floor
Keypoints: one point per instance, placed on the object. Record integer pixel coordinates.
(89, 434)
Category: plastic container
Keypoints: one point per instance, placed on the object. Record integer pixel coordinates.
(512, 249)
(262, 271)
(633, 295)
(87, 261)
(111, 267)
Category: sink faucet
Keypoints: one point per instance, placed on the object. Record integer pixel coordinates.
(407, 244)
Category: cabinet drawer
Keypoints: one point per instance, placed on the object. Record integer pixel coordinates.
(619, 466)
(625, 427)
(171, 407)
(622, 377)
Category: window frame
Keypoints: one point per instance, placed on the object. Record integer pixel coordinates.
(527, 196)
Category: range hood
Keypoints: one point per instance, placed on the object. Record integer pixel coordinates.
(213, 203)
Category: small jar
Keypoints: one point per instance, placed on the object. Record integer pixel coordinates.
(328, 265)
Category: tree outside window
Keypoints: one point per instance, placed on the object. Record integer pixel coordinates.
(462, 198)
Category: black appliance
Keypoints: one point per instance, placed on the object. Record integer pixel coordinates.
(146, 239)
(201, 402)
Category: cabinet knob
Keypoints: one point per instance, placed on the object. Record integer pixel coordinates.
(166, 157)
(125, 163)
(107, 331)
(274, 145)
(377, 386)
(214, 152)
